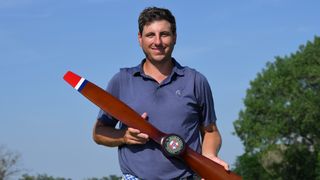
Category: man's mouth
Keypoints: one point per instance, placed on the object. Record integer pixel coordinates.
(160, 50)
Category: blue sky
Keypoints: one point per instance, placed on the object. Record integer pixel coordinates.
(50, 124)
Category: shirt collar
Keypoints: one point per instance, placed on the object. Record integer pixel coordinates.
(177, 69)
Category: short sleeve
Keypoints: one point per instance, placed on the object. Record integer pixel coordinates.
(205, 100)
(113, 88)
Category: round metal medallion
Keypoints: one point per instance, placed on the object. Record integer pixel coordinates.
(173, 145)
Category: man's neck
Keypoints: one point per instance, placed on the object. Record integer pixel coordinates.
(159, 71)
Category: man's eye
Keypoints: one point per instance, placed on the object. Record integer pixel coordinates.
(165, 34)
(149, 35)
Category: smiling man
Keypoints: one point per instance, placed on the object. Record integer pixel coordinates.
(173, 98)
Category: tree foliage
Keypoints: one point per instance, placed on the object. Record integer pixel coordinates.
(8, 163)
(41, 177)
(279, 126)
(111, 177)
(47, 177)
(9, 169)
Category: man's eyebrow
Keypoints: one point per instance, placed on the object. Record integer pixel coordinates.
(149, 33)
(165, 32)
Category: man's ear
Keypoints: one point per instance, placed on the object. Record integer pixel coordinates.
(175, 38)
(139, 38)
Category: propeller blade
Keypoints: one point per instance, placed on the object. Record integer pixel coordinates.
(203, 166)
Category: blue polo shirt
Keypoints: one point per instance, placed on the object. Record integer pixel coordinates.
(180, 104)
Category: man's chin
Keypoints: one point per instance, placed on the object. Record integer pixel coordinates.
(158, 58)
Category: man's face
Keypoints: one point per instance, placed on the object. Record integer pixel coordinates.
(157, 41)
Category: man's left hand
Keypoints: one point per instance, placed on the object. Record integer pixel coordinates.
(219, 161)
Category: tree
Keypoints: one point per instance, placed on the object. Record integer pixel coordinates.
(111, 177)
(279, 126)
(8, 163)
(9, 169)
(47, 177)
(41, 177)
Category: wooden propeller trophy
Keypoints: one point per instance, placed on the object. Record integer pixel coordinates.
(203, 166)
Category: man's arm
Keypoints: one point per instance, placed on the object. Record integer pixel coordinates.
(211, 143)
(109, 136)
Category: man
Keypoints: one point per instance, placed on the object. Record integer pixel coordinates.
(175, 99)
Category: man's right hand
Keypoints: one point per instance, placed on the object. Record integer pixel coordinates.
(134, 136)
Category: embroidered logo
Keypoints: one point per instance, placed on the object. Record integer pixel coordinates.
(178, 92)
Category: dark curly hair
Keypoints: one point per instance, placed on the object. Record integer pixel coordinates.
(152, 14)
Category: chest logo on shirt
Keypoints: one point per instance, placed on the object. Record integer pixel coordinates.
(178, 93)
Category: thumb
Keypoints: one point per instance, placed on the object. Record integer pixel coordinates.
(144, 116)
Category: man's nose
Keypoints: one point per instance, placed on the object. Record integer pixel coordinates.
(157, 40)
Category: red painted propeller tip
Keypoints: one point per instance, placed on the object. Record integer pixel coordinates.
(72, 78)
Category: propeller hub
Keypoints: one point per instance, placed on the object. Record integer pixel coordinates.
(173, 145)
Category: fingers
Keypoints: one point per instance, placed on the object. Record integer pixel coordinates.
(221, 162)
(134, 136)
(137, 133)
(144, 115)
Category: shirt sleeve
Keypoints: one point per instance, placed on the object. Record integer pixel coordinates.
(113, 88)
(205, 100)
